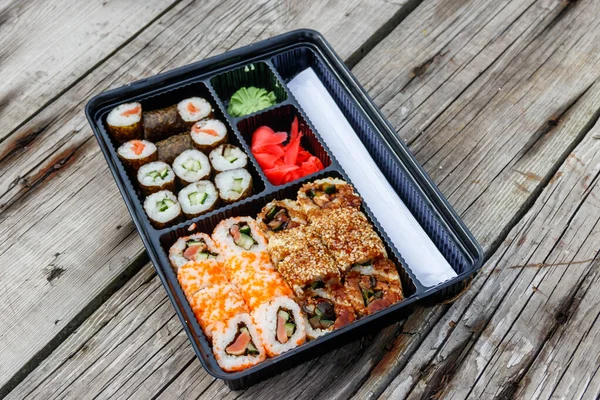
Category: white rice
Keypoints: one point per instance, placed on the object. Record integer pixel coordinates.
(225, 182)
(205, 139)
(155, 202)
(223, 336)
(116, 118)
(176, 251)
(227, 157)
(126, 150)
(194, 109)
(147, 174)
(227, 246)
(191, 166)
(197, 197)
(265, 318)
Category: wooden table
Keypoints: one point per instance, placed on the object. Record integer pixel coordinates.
(498, 99)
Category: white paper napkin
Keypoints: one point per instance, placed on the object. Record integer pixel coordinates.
(423, 257)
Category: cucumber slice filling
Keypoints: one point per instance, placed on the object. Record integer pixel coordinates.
(237, 185)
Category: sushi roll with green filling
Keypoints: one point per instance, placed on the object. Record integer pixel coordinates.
(198, 198)
(136, 153)
(234, 185)
(327, 193)
(280, 216)
(208, 134)
(238, 235)
(191, 166)
(193, 248)
(156, 176)
(124, 122)
(162, 208)
(227, 157)
(194, 109)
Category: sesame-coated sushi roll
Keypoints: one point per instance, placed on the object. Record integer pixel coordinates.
(227, 157)
(199, 275)
(208, 134)
(196, 247)
(191, 166)
(170, 148)
(124, 122)
(237, 344)
(162, 209)
(156, 176)
(198, 198)
(328, 193)
(234, 185)
(348, 235)
(217, 304)
(280, 324)
(162, 123)
(373, 286)
(325, 308)
(291, 241)
(280, 216)
(194, 109)
(238, 235)
(136, 153)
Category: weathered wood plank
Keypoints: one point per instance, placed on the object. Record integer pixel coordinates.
(72, 266)
(45, 47)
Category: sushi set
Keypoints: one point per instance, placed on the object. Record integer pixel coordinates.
(279, 208)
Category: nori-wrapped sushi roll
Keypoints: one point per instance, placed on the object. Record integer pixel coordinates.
(124, 122)
(227, 157)
(162, 123)
(156, 176)
(170, 148)
(198, 198)
(191, 166)
(234, 185)
(136, 153)
(208, 134)
(162, 209)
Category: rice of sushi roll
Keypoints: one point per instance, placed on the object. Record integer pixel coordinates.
(198, 198)
(280, 324)
(237, 344)
(194, 109)
(124, 122)
(199, 275)
(162, 208)
(325, 309)
(280, 216)
(328, 193)
(156, 176)
(237, 235)
(234, 185)
(196, 247)
(216, 304)
(227, 157)
(162, 123)
(136, 153)
(208, 134)
(170, 148)
(191, 166)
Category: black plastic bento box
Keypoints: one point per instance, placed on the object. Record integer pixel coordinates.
(278, 60)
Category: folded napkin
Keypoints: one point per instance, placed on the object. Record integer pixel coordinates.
(422, 256)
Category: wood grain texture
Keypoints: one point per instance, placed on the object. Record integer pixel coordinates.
(54, 157)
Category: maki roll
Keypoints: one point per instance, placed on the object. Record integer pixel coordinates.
(194, 109)
(199, 275)
(238, 235)
(227, 157)
(348, 235)
(191, 166)
(170, 148)
(328, 193)
(156, 176)
(196, 247)
(162, 123)
(280, 215)
(136, 153)
(237, 344)
(124, 122)
(198, 198)
(162, 208)
(208, 134)
(280, 324)
(234, 185)
(373, 286)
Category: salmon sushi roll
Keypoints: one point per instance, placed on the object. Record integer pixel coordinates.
(136, 153)
(198, 198)
(208, 134)
(237, 344)
(217, 304)
(124, 122)
(227, 157)
(280, 324)
(191, 166)
(196, 247)
(238, 235)
(234, 185)
(328, 193)
(373, 286)
(162, 209)
(198, 275)
(194, 109)
(156, 176)
(170, 148)
(280, 216)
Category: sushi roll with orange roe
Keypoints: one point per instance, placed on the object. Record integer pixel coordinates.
(136, 153)
(124, 122)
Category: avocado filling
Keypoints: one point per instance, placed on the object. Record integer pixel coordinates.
(242, 235)
(286, 326)
(323, 194)
(367, 286)
(242, 344)
(321, 313)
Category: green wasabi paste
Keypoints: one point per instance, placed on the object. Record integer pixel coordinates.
(250, 99)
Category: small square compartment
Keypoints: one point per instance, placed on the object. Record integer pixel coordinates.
(280, 120)
(257, 74)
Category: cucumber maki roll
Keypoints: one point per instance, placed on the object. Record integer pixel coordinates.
(198, 198)
(170, 148)
(156, 176)
(234, 185)
(162, 123)
(194, 109)
(191, 166)
(208, 134)
(136, 153)
(124, 122)
(227, 157)
(162, 208)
